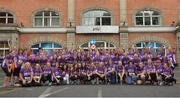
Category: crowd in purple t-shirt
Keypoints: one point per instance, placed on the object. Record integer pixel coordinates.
(78, 66)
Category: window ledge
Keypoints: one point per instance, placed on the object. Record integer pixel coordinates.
(152, 29)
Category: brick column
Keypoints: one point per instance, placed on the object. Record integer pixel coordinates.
(123, 25)
(71, 13)
(123, 12)
(70, 38)
(124, 42)
(178, 47)
(71, 25)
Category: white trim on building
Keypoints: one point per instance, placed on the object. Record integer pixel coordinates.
(151, 29)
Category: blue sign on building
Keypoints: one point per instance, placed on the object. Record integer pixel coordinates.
(93, 41)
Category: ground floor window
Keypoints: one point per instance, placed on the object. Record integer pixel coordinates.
(153, 45)
(46, 46)
(4, 48)
(99, 45)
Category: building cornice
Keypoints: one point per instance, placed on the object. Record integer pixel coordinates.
(45, 30)
(122, 29)
(152, 29)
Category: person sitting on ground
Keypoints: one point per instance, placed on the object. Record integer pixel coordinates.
(151, 72)
(26, 75)
(131, 73)
(167, 74)
(37, 75)
(120, 72)
(57, 74)
(47, 74)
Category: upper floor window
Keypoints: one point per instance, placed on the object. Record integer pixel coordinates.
(6, 18)
(147, 18)
(46, 19)
(96, 18)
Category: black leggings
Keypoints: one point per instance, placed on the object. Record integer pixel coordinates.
(26, 84)
(47, 78)
(8, 74)
(73, 78)
(83, 77)
(168, 80)
(153, 77)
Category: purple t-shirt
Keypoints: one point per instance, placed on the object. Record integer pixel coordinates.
(47, 71)
(56, 71)
(171, 55)
(125, 61)
(167, 71)
(26, 72)
(115, 60)
(131, 69)
(145, 60)
(119, 69)
(101, 70)
(96, 59)
(37, 72)
(159, 68)
(149, 68)
(91, 69)
(136, 61)
(83, 70)
(62, 61)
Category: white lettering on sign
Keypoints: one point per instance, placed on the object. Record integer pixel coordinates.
(96, 29)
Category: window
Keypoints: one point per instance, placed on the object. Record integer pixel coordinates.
(153, 45)
(6, 18)
(46, 19)
(99, 44)
(147, 18)
(96, 18)
(4, 48)
(46, 46)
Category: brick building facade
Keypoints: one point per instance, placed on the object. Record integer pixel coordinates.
(74, 23)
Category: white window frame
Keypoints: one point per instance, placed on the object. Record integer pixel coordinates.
(46, 48)
(155, 47)
(105, 45)
(94, 18)
(43, 18)
(4, 49)
(150, 15)
(6, 17)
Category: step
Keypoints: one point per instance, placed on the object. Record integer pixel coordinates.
(178, 80)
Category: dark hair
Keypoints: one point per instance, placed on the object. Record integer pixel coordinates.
(39, 48)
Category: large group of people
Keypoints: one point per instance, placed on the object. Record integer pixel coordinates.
(23, 67)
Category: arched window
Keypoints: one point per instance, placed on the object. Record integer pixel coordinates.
(6, 18)
(153, 45)
(147, 18)
(46, 19)
(46, 46)
(96, 18)
(99, 45)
